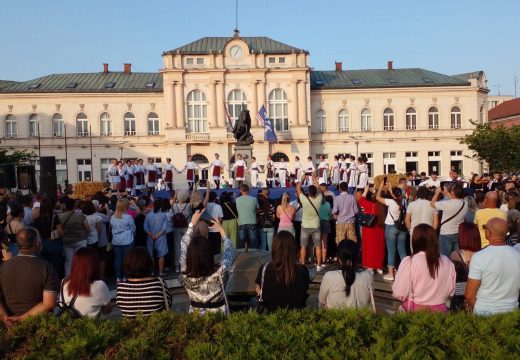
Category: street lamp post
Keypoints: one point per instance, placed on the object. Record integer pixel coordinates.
(356, 138)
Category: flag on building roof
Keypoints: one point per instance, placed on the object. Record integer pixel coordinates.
(229, 123)
(269, 134)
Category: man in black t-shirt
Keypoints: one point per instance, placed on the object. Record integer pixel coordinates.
(28, 284)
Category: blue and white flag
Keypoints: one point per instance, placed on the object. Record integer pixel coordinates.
(269, 134)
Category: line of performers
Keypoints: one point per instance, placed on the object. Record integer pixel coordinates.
(134, 177)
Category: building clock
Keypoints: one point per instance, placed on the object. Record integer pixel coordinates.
(236, 52)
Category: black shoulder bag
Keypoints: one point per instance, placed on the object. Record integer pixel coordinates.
(64, 308)
(260, 305)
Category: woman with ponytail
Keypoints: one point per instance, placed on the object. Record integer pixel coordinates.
(350, 286)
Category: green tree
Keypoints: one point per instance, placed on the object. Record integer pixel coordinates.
(499, 147)
(17, 157)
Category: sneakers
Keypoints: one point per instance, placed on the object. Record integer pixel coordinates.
(320, 268)
(380, 271)
(388, 277)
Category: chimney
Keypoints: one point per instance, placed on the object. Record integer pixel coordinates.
(128, 68)
(390, 65)
(339, 66)
(105, 68)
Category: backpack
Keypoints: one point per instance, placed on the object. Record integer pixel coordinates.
(179, 220)
(399, 222)
(64, 308)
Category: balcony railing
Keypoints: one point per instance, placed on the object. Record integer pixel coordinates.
(197, 136)
(130, 133)
(388, 128)
(82, 133)
(10, 135)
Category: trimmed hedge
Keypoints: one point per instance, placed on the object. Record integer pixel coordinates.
(307, 334)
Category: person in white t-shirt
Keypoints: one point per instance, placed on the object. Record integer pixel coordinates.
(494, 273)
(454, 211)
(432, 182)
(92, 293)
(420, 211)
(394, 236)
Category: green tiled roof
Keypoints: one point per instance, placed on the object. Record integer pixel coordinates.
(381, 78)
(467, 76)
(89, 82)
(6, 83)
(256, 44)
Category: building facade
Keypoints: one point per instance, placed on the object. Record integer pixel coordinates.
(506, 114)
(400, 119)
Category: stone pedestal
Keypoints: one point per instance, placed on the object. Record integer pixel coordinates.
(247, 152)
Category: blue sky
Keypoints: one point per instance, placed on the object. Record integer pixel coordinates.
(448, 36)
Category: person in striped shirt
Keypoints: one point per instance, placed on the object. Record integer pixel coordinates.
(141, 292)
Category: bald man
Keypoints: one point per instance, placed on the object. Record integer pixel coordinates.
(494, 273)
(488, 211)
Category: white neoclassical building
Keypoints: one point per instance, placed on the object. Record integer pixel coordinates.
(400, 119)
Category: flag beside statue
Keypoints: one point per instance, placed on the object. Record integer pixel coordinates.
(269, 134)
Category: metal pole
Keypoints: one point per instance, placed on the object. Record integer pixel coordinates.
(66, 151)
(91, 157)
(39, 143)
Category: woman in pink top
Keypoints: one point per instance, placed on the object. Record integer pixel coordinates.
(285, 212)
(426, 279)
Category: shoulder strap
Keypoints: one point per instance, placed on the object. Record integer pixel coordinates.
(287, 214)
(410, 287)
(66, 221)
(166, 304)
(229, 207)
(457, 213)
(317, 212)
(260, 297)
(72, 301)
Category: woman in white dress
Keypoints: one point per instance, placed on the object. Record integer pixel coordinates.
(362, 170)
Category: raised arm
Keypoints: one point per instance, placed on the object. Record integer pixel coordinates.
(299, 185)
(229, 251)
(186, 239)
(435, 197)
(378, 195)
(206, 195)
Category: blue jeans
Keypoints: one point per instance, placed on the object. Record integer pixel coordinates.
(266, 238)
(395, 238)
(120, 252)
(448, 243)
(247, 233)
(351, 190)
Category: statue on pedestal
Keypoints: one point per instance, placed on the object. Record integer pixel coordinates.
(242, 129)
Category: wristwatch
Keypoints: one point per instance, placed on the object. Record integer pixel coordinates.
(190, 225)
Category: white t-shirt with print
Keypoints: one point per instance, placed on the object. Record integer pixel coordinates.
(450, 208)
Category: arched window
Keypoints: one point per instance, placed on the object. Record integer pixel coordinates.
(279, 110)
(105, 124)
(481, 114)
(199, 159)
(236, 100)
(411, 119)
(197, 112)
(129, 120)
(366, 120)
(82, 124)
(321, 121)
(343, 120)
(57, 125)
(34, 124)
(433, 118)
(153, 124)
(277, 157)
(456, 118)
(10, 126)
(388, 119)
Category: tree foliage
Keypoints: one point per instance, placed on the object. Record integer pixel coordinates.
(17, 157)
(499, 147)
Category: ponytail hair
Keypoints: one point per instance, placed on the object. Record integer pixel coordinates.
(347, 255)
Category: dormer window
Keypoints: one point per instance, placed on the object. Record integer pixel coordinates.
(200, 61)
(189, 61)
(281, 60)
(272, 60)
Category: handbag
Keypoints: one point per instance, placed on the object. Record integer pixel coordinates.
(366, 220)
(64, 308)
(260, 305)
(55, 234)
(399, 223)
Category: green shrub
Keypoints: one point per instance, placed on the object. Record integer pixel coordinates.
(307, 334)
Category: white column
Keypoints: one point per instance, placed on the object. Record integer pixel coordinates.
(220, 103)
(254, 105)
(214, 105)
(302, 104)
(179, 101)
(293, 115)
(169, 101)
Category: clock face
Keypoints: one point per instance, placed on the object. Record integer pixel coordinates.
(236, 52)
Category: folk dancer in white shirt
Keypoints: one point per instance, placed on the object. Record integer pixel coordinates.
(139, 176)
(336, 168)
(218, 166)
(190, 168)
(130, 188)
(239, 167)
(309, 171)
(343, 169)
(253, 170)
(113, 176)
(298, 170)
(168, 174)
(362, 170)
(323, 169)
(352, 175)
(282, 171)
(269, 178)
(151, 172)
(121, 169)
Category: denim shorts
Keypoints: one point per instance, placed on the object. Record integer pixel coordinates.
(313, 233)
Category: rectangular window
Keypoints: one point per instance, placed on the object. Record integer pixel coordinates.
(281, 60)
(411, 154)
(456, 153)
(389, 155)
(434, 153)
(189, 61)
(325, 156)
(84, 170)
(200, 61)
(105, 164)
(272, 60)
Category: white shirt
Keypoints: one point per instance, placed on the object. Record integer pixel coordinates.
(254, 167)
(310, 167)
(92, 236)
(332, 290)
(498, 269)
(421, 213)
(282, 166)
(431, 183)
(299, 214)
(90, 305)
(393, 209)
(352, 170)
(323, 165)
(449, 208)
(215, 211)
(191, 165)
